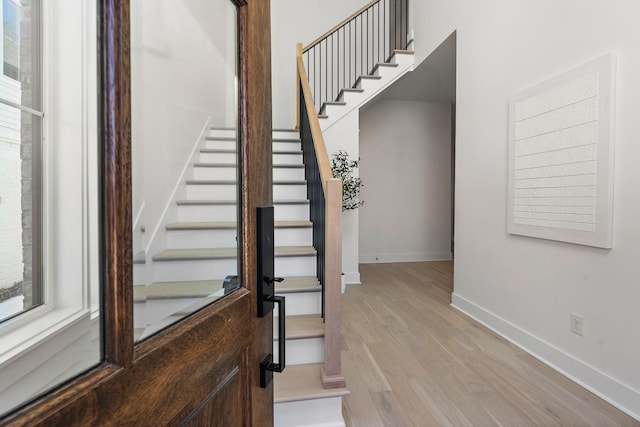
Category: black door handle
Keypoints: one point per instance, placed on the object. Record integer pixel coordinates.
(266, 292)
(267, 367)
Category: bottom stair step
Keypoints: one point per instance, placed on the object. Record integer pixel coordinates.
(300, 399)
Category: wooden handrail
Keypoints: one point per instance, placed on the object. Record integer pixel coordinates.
(331, 375)
(318, 141)
(353, 15)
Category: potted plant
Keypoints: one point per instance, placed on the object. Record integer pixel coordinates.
(343, 167)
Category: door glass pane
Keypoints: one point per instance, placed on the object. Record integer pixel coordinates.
(184, 156)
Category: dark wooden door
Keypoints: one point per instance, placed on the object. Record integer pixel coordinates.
(203, 371)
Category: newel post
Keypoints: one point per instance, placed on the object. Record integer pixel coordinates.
(332, 374)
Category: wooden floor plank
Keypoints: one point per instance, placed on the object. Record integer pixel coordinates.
(412, 360)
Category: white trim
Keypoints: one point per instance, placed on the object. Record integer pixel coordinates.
(609, 389)
(157, 240)
(352, 278)
(405, 257)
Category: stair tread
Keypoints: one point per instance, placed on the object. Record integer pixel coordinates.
(303, 327)
(234, 202)
(139, 258)
(234, 182)
(235, 165)
(298, 284)
(302, 382)
(181, 289)
(226, 225)
(292, 140)
(233, 151)
(220, 138)
(226, 253)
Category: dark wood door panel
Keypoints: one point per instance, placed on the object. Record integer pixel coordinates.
(223, 407)
(172, 374)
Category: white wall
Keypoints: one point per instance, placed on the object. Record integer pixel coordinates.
(526, 288)
(405, 148)
(294, 21)
(11, 271)
(344, 136)
(179, 85)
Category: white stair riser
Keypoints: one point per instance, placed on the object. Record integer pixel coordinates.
(370, 85)
(298, 212)
(403, 60)
(277, 134)
(287, 159)
(153, 311)
(351, 97)
(221, 133)
(290, 192)
(218, 158)
(212, 191)
(303, 303)
(332, 110)
(221, 144)
(294, 236)
(222, 173)
(282, 212)
(229, 191)
(216, 269)
(195, 213)
(139, 272)
(231, 173)
(286, 145)
(310, 413)
(301, 352)
(199, 239)
(210, 269)
(387, 72)
(295, 266)
(288, 174)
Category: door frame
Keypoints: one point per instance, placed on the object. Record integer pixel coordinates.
(86, 399)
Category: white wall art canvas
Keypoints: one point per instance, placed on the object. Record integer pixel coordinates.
(561, 143)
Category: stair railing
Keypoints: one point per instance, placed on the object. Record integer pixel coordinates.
(353, 48)
(325, 196)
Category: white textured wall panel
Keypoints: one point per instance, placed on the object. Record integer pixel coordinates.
(555, 139)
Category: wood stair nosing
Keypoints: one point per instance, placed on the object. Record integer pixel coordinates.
(220, 138)
(228, 253)
(326, 104)
(292, 285)
(302, 382)
(234, 151)
(302, 327)
(234, 202)
(234, 182)
(230, 225)
(176, 290)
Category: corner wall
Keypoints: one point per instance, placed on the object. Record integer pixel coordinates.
(405, 148)
(526, 288)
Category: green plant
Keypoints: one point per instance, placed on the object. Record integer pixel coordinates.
(343, 168)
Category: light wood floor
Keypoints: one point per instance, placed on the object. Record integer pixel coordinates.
(411, 360)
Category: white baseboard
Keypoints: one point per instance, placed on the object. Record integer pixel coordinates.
(404, 257)
(609, 389)
(352, 278)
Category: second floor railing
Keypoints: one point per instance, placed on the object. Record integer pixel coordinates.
(354, 47)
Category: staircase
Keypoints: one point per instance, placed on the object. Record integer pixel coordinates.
(367, 86)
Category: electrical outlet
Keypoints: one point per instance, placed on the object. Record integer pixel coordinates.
(576, 324)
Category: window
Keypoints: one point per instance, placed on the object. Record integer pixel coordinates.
(49, 197)
(20, 143)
